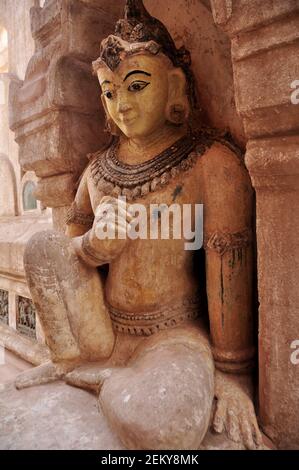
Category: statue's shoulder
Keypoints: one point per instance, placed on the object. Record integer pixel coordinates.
(222, 169)
(86, 175)
(94, 156)
(219, 153)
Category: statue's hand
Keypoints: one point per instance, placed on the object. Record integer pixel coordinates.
(111, 225)
(234, 411)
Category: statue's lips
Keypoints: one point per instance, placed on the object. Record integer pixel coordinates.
(128, 120)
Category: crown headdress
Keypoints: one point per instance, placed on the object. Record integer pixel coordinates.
(139, 31)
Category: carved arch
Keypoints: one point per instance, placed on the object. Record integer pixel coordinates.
(28, 202)
(8, 188)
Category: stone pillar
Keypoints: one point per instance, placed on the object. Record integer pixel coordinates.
(55, 112)
(265, 51)
(12, 302)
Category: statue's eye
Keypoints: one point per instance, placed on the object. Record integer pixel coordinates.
(138, 85)
(108, 94)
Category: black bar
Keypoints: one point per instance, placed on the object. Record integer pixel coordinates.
(139, 459)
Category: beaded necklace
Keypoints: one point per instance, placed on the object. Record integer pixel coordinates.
(115, 178)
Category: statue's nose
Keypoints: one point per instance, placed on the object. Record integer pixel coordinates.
(124, 107)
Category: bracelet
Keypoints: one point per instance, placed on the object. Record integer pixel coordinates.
(75, 216)
(234, 362)
(91, 253)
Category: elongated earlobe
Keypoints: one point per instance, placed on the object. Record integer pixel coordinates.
(111, 127)
(178, 108)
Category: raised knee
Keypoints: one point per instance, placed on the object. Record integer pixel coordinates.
(164, 404)
(42, 244)
(38, 243)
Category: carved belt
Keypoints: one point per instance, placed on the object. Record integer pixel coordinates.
(149, 323)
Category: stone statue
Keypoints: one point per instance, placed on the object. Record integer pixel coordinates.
(126, 317)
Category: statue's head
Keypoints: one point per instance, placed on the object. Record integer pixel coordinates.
(146, 81)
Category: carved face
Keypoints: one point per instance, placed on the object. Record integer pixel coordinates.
(137, 93)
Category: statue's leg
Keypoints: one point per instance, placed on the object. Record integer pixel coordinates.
(69, 298)
(163, 399)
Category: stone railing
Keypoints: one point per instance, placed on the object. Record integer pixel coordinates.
(16, 309)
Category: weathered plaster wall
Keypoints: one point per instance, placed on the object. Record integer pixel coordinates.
(15, 17)
(15, 231)
(21, 45)
(3, 49)
(191, 23)
(4, 131)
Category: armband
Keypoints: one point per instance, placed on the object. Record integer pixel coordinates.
(221, 242)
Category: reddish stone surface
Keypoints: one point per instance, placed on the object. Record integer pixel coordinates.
(192, 24)
(265, 62)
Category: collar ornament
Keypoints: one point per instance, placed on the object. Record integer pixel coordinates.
(115, 178)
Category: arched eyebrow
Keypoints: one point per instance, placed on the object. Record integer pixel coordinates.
(137, 72)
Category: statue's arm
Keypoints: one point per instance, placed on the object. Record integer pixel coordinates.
(80, 215)
(80, 221)
(228, 204)
(82, 226)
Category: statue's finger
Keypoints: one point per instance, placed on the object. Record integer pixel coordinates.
(219, 417)
(118, 230)
(121, 232)
(122, 223)
(124, 220)
(122, 203)
(108, 230)
(233, 428)
(105, 218)
(129, 216)
(113, 205)
(111, 220)
(124, 214)
(257, 435)
(123, 207)
(247, 433)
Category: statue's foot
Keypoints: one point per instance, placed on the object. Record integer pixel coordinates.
(235, 412)
(43, 374)
(90, 376)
